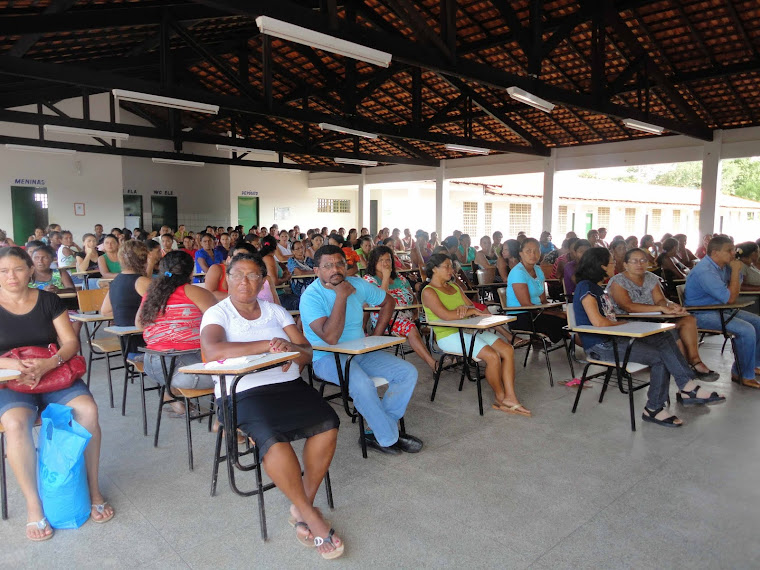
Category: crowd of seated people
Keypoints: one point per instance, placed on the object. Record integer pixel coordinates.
(231, 293)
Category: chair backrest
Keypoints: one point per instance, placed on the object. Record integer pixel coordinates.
(502, 291)
(548, 269)
(90, 300)
(570, 315)
(480, 277)
(680, 290)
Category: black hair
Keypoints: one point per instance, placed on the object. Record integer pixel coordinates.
(591, 265)
(450, 242)
(247, 247)
(645, 238)
(513, 247)
(111, 236)
(615, 243)
(268, 245)
(152, 244)
(46, 249)
(362, 239)
(746, 249)
(434, 261)
(16, 251)
(374, 257)
(35, 243)
(387, 241)
(630, 252)
(253, 256)
(336, 237)
(527, 241)
(716, 243)
(327, 250)
(174, 271)
(668, 245)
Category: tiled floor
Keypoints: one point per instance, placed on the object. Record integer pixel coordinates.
(554, 491)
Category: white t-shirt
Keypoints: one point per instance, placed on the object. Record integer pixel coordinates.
(271, 324)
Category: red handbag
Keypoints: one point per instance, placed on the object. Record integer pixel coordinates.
(58, 378)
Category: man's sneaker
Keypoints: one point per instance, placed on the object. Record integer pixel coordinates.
(373, 444)
(408, 443)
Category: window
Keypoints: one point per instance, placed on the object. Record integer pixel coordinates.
(488, 217)
(333, 206)
(42, 199)
(750, 215)
(603, 217)
(519, 219)
(630, 220)
(562, 221)
(676, 220)
(470, 218)
(655, 222)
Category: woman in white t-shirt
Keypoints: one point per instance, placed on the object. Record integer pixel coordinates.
(275, 406)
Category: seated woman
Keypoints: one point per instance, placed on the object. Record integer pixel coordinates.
(631, 242)
(127, 290)
(397, 263)
(558, 271)
(66, 252)
(465, 252)
(508, 258)
(225, 243)
(525, 286)
(670, 265)
(207, 256)
(421, 251)
(170, 315)
(299, 264)
(283, 251)
(660, 352)
(278, 276)
(578, 248)
(276, 407)
(216, 278)
(649, 248)
(352, 258)
(685, 256)
(486, 259)
(444, 300)
(318, 241)
(31, 317)
(380, 272)
(87, 259)
(702, 249)
(747, 253)
(635, 290)
(52, 280)
(618, 249)
(108, 263)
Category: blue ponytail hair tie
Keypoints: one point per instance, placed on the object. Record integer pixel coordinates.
(168, 273)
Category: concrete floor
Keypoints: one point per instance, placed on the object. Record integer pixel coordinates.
(554, 491)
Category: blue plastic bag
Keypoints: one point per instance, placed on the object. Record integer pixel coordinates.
(62, 477)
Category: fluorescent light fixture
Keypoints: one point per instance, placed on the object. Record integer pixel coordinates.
(288, 170)
(642, 126)
(47, 149)
(467, 149)
(304, 36)
(243, 149)
(346, 131)
(356, 161)
(149, 99)
(529, 99)
(85, 132)
(179, 162)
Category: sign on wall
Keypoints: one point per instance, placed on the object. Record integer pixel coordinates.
(281, 214)
(29, 181)
(79, 208)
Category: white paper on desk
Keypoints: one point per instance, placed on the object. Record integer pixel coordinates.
(649, 313)
(235, 361)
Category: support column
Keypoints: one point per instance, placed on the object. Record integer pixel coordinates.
(441, 200)
(550, 204)
(363, 201)
(710, 184)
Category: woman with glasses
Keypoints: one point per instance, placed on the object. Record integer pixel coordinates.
(636, 290)
(275, 407)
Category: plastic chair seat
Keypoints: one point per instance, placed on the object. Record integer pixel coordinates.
(631, 368)
(193, 393)
(110, 344)
(138, 365)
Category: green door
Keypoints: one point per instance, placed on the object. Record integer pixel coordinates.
(248, 212)
(589, 222)
(30, 210)
(164, 211)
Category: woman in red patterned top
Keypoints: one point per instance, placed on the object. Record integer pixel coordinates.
(170, 315)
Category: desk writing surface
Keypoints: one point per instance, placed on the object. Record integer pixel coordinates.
(396, 308)
(90, 318)
(121, 331)
(737, 305)
(639, 329)
(67, 295)
(262, 361)
(479, 322)
(303, 276)
(650, 315)
(362, 345)
(6, 375)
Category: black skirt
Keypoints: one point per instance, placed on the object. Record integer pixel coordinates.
(283, 412)
(550, 325)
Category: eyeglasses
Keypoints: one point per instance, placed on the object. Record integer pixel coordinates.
(329, 266)
(251, 277)
(637, 261)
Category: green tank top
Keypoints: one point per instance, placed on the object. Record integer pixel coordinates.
(451, 302)
(113, 266)
(55, 279)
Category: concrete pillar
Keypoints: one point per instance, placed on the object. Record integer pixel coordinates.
(550, 204)
(441, 200)
(363, 218)
(710, 184)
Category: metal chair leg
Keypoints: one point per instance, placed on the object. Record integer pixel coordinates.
(110, 384)
(362, 436)
(260, 487)
(142, 400)
(607, 378)
(189, 431)
(437, 376)
(480, 390)
(580, 387)
(161, 392)
(127, 375)
(217, 457)
(328, 490)
(3, 479)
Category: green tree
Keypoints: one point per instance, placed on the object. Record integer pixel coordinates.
(746, 183)
(683, 174)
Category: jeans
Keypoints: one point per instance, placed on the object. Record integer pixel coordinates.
(746, 327)
(152, 366)
(660, 352)
(381, 415)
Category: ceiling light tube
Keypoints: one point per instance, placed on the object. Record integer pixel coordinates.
(179, 162)
(47, 149)
(642, 126)
(467, 149)
(356, 161)
(346, 131)
(529, 99)
(60, 129)
(149, 99)
(289, 170)
(243, 150)
(304, 36)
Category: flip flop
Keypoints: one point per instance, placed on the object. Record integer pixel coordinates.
(338, 550)
(101, 509)
(512, 409)
(41, 524)
(301, 538)
(574, 383)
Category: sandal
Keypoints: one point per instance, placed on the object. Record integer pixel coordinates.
(692, 399)
(101, 509)
(517, 409)
(41, 524)
(301, 538)
(746, 382)
(649, 416)
(520, 342)
(709, 376)
(575, 382)
(337, 550)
